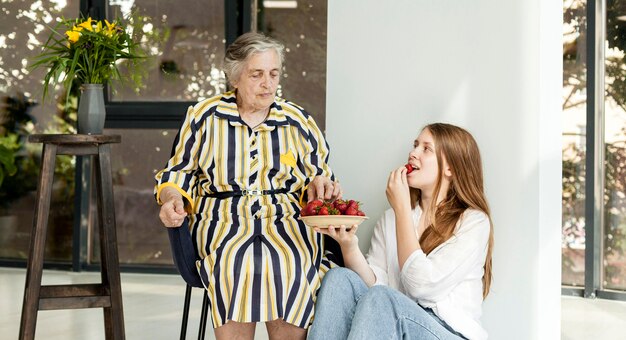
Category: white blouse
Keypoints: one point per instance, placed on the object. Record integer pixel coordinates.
(448, 280)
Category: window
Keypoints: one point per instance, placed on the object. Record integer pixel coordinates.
(23, 31)
(614, 145)
(574, 122)
(594, 149)
(303, 31)
(185, 42)
(141, 238)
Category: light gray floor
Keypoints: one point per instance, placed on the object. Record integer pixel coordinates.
(596, 319)
(152, 308)
(153, 304)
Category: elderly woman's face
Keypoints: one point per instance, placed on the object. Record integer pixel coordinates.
(257, 84)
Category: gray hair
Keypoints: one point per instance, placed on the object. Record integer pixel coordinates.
(243, 47)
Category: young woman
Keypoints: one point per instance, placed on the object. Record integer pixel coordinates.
(429, 265)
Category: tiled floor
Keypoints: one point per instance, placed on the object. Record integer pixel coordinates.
(153, 304)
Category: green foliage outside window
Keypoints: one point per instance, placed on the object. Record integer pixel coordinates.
(575, 82)
(17, 124)
(614, 228)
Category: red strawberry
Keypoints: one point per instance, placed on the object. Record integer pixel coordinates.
(333, 211)
(341, 206)
(309, 210)
(315, 203)
(338, 202)
(353, 204)
(409, 168)
(360, 213)
(323, 211)
(351, 211)
(331, 208)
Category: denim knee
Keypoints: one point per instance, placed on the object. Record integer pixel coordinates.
(339, 275)
(377, 296)
(342, 283)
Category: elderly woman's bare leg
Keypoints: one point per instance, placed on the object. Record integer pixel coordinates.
(279, 329)
(235, 331)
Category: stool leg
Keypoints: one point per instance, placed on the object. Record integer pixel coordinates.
(114, 315)
(37, 245)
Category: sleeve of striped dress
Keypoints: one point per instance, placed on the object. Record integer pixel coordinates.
(316, 159)
(179, 172)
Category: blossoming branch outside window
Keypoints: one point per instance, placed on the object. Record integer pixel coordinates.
(185, 42)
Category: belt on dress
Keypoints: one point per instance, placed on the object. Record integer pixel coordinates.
(246, 192)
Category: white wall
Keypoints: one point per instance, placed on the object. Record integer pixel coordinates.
(493, 67)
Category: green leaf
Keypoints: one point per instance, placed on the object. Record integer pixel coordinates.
(7, 162)
(90, 59)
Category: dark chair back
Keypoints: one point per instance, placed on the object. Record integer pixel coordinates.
(184, 254)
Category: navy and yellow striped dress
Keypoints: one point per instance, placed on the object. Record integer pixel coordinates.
(259, 263)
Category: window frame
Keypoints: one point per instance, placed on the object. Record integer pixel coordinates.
(594, 159)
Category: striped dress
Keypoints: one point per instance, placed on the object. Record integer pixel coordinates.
(259, 262)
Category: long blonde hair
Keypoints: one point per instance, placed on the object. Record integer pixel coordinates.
(459, 149)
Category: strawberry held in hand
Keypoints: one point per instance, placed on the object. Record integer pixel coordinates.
(311, 208)
(409, 168)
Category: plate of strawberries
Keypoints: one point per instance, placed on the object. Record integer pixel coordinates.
(323, 214)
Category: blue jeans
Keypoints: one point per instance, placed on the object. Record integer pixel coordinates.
(347, 309)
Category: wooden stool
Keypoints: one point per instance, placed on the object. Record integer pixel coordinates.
(106, 295)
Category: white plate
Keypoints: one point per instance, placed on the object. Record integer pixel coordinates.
(324, 221)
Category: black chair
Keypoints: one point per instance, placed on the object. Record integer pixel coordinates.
(185, 257)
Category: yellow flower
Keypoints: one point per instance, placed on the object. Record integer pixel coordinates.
(86, 24)
(110, 28)
(85, 51)
(73, 35)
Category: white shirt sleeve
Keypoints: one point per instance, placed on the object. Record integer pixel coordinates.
(432, 277)
(377, 256)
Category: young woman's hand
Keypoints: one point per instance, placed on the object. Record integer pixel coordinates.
(347, 239)
(398, 193)
(352, 256)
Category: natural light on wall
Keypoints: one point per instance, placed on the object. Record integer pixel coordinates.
(280, 4)
(125, 6)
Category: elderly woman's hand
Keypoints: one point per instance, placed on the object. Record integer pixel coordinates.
(172, 212)
(323, 188)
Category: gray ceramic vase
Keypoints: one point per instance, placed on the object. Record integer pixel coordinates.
(91, 112)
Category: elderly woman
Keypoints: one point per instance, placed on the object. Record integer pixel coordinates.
(240, 165)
